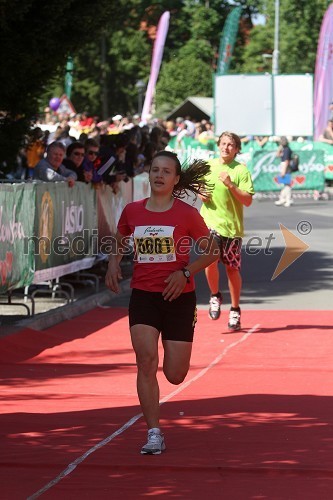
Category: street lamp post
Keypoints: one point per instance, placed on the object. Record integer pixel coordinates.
(69, 77)
(140, 85)
(275, 61)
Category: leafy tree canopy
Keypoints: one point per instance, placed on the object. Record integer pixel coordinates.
(183, 77)
(300, 22)
(36, 39)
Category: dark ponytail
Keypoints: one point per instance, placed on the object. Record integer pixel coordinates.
(192, 176)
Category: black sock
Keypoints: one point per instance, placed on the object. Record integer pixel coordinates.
(218, 295)
(235, 309)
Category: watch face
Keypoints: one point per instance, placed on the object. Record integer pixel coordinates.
(187, 273)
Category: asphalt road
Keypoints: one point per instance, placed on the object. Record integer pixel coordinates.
(305, 284)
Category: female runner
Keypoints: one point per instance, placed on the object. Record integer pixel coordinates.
(163, 298)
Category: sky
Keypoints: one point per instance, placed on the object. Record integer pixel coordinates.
(258, 19)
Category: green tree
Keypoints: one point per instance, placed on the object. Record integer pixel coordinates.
(191, 61)
(182, 78)
(38, 36)
(300, 22)
(36, 39)
(190, 68)
(129, 58)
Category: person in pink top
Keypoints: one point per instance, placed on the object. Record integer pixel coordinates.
(163, 297)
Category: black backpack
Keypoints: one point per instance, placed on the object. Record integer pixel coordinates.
(294, 163)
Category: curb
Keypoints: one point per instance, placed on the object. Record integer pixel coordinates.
(81, 305)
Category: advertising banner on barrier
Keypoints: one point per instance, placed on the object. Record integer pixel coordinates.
(328, 156)
(65, 236)
(326, 150)
(189, 149)
(322, 154)
(265, 170)
(17, 202)
(110, 204)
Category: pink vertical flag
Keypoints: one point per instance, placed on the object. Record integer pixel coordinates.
(162, 30)
(323, 87)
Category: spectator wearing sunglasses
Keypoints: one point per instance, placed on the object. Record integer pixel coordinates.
(92, 160)
(74, 161)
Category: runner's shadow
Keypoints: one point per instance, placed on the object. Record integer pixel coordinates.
(289, 328)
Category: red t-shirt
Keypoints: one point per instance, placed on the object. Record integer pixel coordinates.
(162, 241)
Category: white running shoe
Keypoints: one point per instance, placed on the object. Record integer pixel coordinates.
(155, 444)
(234, 320)
(214, 307)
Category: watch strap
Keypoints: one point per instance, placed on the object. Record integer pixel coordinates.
(187, 274)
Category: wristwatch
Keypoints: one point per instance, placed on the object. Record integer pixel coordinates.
(187, 274)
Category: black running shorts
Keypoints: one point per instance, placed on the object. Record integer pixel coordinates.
(175, 319)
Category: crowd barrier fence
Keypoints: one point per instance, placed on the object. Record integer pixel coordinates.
(49, 230)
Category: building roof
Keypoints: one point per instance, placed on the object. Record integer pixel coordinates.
(198, 108)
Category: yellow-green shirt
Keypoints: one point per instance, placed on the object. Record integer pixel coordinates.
(224, 213)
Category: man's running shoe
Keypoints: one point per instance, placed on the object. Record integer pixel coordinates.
(214, 307)
(155, 444)
(234, 320)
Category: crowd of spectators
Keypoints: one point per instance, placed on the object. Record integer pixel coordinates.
(90, 143)
(123, 142)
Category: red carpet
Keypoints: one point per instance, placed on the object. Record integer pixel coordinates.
(253, 420)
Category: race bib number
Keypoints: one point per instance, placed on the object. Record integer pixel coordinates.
(154, 244)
